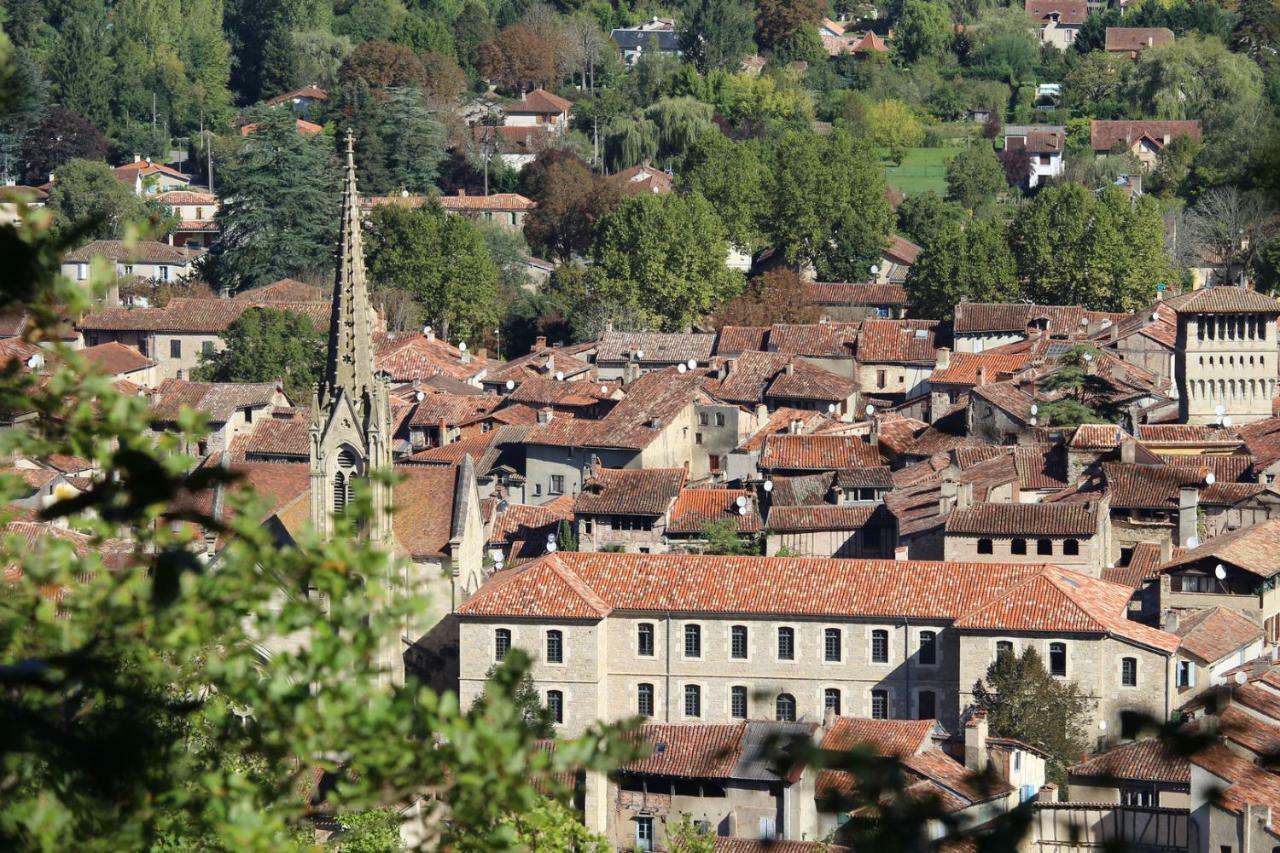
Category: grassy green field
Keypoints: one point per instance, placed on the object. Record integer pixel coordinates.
(921, 170)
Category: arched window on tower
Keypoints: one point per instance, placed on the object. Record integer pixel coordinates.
(340, 487)
(349, 468)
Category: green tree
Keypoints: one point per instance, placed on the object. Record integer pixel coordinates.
(1080, 394)
(629, 141)
(413, 141)
(512, 679)
(722, 538)
(962, 263)
(687, 837)
(80, 67)
(923, 31)
(716, 34)
(1025, 703)
(566, 538)
(779, 21)
(552, 827)
(472, 28)
(664, 254)
(89, 192)
(891, 124)
(678, 122)
(1073, 247)
(732, 176)
(974, 177)
(267, 345)
(922, 217)
(20, 112)
(280, 203)
(442, 260)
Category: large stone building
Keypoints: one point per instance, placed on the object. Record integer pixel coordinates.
(1226, 354)
(719, 639)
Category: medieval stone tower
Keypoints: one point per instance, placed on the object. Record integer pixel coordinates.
(351, 415)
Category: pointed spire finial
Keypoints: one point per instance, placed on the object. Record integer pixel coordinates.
(351, 149)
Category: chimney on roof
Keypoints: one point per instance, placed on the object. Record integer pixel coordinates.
(550, 369)
(482, 352)
(900, 554)
(762, 413)
(1048, 793)
(540, 342)
(1169, 621)
(946, 497)
(1150, 41)
(944, 358)
(608, 325)
(1188, 514)
(790, 369)
(794, 427)
(655, 423)
(1167, 139)
(982, 375)
(462, 192)
(1128, 450)
(429, 333)
(975, 742)
(137, 158)
(544, 416)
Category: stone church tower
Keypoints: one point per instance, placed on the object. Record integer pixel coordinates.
(351, 415)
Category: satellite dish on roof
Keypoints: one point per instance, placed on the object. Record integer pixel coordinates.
(768, 485)
(551, 537)
(1241, 677)
(1220, 572)
(692, 363)
(875, 269)
(551, 547)
(426, 330)
(871, 410)
(421, 395)
(604, 389)
(496, 555)
(1154, 316)
(639, 353)
(741, 501)
(559, 375)
(742, 510)
(1209, 478)
(511, 385)
(831, 408)
(1035, 410)
(1219, 410)
(680, 368)
(1193, 542)
(1084, 321)
(462, 345)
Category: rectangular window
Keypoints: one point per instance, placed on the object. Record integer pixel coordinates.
(164, 273)
(644, 700)
(501, 643)
(692, 700)
(880, 379)
(555, 705)
(644, 834)
(879, 704)
(713, 462)
(738, 642)
(928, 648)
(702, 418)
(786, 644)
(206, 347)
(926, 705)
(719, 419)
(644, 640)
(1058, 660)
(879, 646)
(537, 490)
(693, 641)
(1044, 547)
(831, 700)
(1003, 647)
(1186, 675)
(738, 703)
(175, 349)
(831, 645)
(1138, 797)
(557, 484)
(555, 647)
(697, 438)
(1129, 672)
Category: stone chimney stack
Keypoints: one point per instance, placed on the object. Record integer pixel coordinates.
(540, 342)
(944, 358)
(1188, 514)
(975, 742)
(1127, 451)
(982, 374)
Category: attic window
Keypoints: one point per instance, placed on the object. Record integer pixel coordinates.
(921, 334)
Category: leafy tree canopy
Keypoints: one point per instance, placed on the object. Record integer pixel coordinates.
(267, 345)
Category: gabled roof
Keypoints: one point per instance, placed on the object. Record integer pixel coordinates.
(415, 357)
(854, 294)
(1223, 299)
(1070, 12)
(964, 366)
(1032, 519)
(688, 750)
(1148, 486)
(1105, 135)
(1212, 634)
(813, 339)
(187, 197)
(980, 317)
(643, 178)
(540, 101)
(1254, 549)
(817, 452)
(1143, 564)
(114, 358)
(733, 340)
(284, 290)
(309, 91)
(1247, 783)
(654, 347)
(638, 491)
(130, 171)
(902, 250)
(898, 341)
(1124, 39)
(694, 509)
(452, 409)
(137, 251)
(824, 516)
(1148, 760)
(219, 400)
(544, 391)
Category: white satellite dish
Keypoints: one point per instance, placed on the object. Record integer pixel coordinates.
(551, 547)
(1220, 572)
(1218, 410)
(680, 368)
(420, 396)
(1035, 410)
(1034, 420)
(692, 363)
(1154, 316)
(559, 375)
(742, 510)
(511, 385)
(1209, 478)
(551, 537)
(462, 345)
(1193, 542)
(1241, 678)
(831, 408)
(639, 353)
(875, 269)
(426, 330)
(741, 501)
(1088, 356)
(1226, 420)
(496, 555)
(768, 485)
(871, 410)
(604, 389)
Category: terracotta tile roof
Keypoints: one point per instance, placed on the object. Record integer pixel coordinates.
(540, 101)
(306, 128)
(1142, 761)
(1230, 494)
(688, 750)
(1125, 39)
(1213, 634)
(657, 397)
(854, 294)
(638, 491)
(138, 251)
(896, 433)
(1105, 135)
(733, 340)
(219, 400)
(902, 250)
(529, 522)
(815, 517)
(813, 339)
(694, 509)
(748, 376)
(541, 362)
(186, 197)
(114, 358)
(451, 408)
(780, 422)
(657, 347)
(276, 484)
(1035, 519)
(1007, 397)
(423, 499)
(1262, 440)
(1147, 486)
(643, 179)
(1096, 437)
(1069, 12)
(729, 844)
(1247, 784)
(309, 91)
(196, 315)
(980, 317)
(1186, 434)
(1254, 549)
(541, 391)
(513, 139)
(954, 784)
(1068, 602)
(817, 453)
(483, 447)
(416, 357)
(1143, 564)
(872, 43)
(887, 738)
(898, 341)
(876, 477)
(1219, 300)
(804, 490)
(1040, 466)
(277, 436)
(963, 367)
(809, 382)
(129, 171)
(284, 290)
